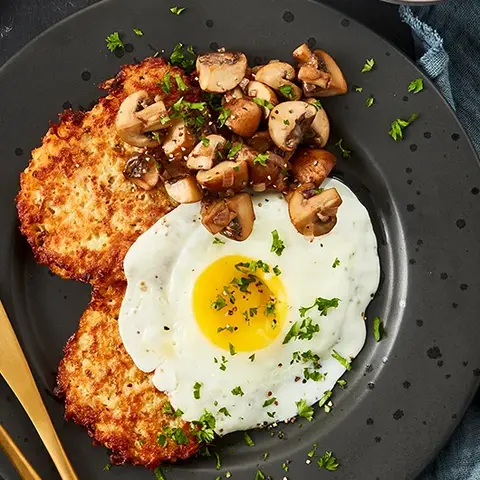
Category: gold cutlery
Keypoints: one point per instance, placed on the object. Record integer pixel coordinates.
(14, 368)
(24, 469)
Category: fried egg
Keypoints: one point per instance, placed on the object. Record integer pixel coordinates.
(251, 331)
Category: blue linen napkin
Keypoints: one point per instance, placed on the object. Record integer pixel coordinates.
(447, 45)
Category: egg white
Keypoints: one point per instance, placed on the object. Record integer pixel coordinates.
(159, 330)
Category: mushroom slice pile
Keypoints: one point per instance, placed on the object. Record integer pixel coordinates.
(233, 217)
(139, 114)
(220, 72)
(288, 123)
(319, 73)
(311, 166)
(142, 170)
(315, 216)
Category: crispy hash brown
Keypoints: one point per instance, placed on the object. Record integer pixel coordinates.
(106, 393)
(76, 209)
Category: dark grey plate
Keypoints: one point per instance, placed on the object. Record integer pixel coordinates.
(406, 393)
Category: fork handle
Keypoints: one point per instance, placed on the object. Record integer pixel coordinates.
(14, 368)
(24, 469)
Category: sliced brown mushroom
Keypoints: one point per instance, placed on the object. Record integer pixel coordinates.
(226, 176)
(245, 116)
(237, 92)
(279, 76)
(178, 141)
(260, 141)
(314, 216)
(220, 72)
(319, 73)
(184, 190)
(265, 96)
(288, 123)
(312, 165)
(142, 170)
(232, 217)
(320, 128)
(204, 155)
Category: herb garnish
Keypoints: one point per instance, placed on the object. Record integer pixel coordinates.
(238, 391)
(317, 104)
(223, 116)
(219, 303)
(342, 383)
(218, 463)
(416, 85)
(248, 440)
(225, 412)
(313, 451)
(325, 398)
(269, 402)
(159, 474)
(345, 152)
(369, 64)
(369, 101)
(277, 244)
(217, 241)
(304, 410)
(263, 103)
(322, 304)
(180, 83)
(336, 263)
(234, 150)
(252, 357)
(246, 267)
(196, 390)
(107, 467)
(227, 327)
(177, 10)
(377, 329)
(286, 90)
(261, 159)
(359, 89)
(231, 348)
(342, 360)
(207, 424)
(302, 331)
(244, 282)
(138, 32)
(114, 41)
(328, 461)
(183, 56)
(396, 131)
(259, 475)
(276, 270)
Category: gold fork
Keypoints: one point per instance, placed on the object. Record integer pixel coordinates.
(24, 469)
(14, 368)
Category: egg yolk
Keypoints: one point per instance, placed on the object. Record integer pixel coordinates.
(239, 303)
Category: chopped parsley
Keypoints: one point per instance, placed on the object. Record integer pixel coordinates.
(302, 331)
(286, 91)
(313, 375)
(259, 475)
(223, 116)
(138, 32)
(227, 327)
(396, 131)
(265, 456)
(217, 241)
(325, 398)
(169, 410)
(248, 440)
(277, 244)
(313, 451)
(317, 104)
(159, 474)
(246, 267)
(269, 402)
(114, 41)
(359, 89)
(276, 270)
(261, 159)
(369, 101)
(322, 304)
(336, 263)
(252, 357)
(180, 83)
(285, 466)
(219, 303)
(107, 467)
(243, 282)
(271, 414)
(345, 152)
(225, 412)
(223, 363)
(305, 357)
(263, 103)
(342, 383)
(234, 150)
(203, 429)
(253, 311)
(205, 141)
(328, 461)
(377, 329)
(286, 122)
(218, 462)
(231, 348)
(183, 56)
(270, 308)
(304, 410)
(342, 360)
(416, 85)
(177, 10)
(237, 391)
(196, 390)
(318, 190)
(369, 64)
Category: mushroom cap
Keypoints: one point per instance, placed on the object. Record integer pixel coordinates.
(226, 176)
(263, 92)
(288, 123)
(241, 226)
(203, 157)
(260, 141)
(184, 190)
(278, 75)
(178, 141)
(315, 216)
(132, 121)
(245, 116)
(220, 72)
(142, 171)
(312, 165)
(320, 126)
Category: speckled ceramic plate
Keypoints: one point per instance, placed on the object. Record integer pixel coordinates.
(406, 393)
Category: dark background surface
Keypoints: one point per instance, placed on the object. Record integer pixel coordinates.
(22, 20)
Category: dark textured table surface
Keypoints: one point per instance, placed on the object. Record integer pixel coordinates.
(22, 20)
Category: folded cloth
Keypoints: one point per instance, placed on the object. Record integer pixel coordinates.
(447, 45)
(447, 41)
